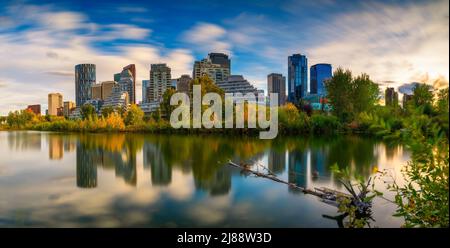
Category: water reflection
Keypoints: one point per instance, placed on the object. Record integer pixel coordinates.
(192, 171)
(24, 141)
(307, 162)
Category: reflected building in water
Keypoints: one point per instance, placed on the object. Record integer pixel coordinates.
(125, 166)
(297, 164)
(276, 162)
(55, 147)
(161, 172)
(86, 168)
(24, 141)
(218, 184)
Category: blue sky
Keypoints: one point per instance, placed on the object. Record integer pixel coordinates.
(395, 42)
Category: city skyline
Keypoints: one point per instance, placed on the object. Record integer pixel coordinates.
(42, 44)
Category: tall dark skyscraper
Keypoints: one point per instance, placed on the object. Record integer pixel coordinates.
(276, 83)
(318, 74)
(391, 97)
(84, 79)
(220, 59)
(297, 77)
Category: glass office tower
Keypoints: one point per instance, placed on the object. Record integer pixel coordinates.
(297, 77)
(318, 74)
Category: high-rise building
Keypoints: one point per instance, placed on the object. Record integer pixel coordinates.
(183, 83)
(36, 108)
(297, 77)
(318, 75)
(84, 79)
(107, 87)
(127, 83)
(117, 76)
(132, 93)
(391, 97)
(69, 106)
(238, 84)
(96, 91)
(119, 98)
(276, 83)
(160, 81)
(102, 91)
(55, 101)
(220, 59)
(216, 66)
(145, 84)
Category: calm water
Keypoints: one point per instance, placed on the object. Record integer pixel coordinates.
(134, 180)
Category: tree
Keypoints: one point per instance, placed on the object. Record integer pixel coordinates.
(364, 93)
(134, 115)
(88, 111)
(166, 108)
(422, 95)
(207, 85)
(339, 89)
(442, 104)
(20, 118)
(106, 111)
(351, 96)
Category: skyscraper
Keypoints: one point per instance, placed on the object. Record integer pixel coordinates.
(276, 83)
(55, 102)
(391, 97)
(220, 59)
(132, 69)
(68, 108)
(183, 83)
(318, 74)
(297, 77)
(84, 79)
(216, 66)
(107, 88)
(96, 91)
(126, 83)
(145, 84)
(160, 81)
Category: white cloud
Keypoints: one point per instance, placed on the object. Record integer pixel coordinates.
(41, 59)
(62, 20)
(207, 37)
(392, 43)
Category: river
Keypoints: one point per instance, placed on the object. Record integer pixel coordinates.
(139, 180)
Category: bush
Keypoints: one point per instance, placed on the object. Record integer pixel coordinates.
(325, 124)
(293, 121)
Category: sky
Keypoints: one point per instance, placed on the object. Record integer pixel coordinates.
(395, 42)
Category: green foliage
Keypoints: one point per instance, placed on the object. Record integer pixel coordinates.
(423, 200)
(357, 207)
(292, 120)
(364, 94)
(351, 96)
(106, 111)
(20, 119)
(134, 115)
(166, 108)
(88, 111)
(339, 89)
(322, 124)
(422, 95)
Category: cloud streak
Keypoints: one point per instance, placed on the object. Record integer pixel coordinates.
(41, 58)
